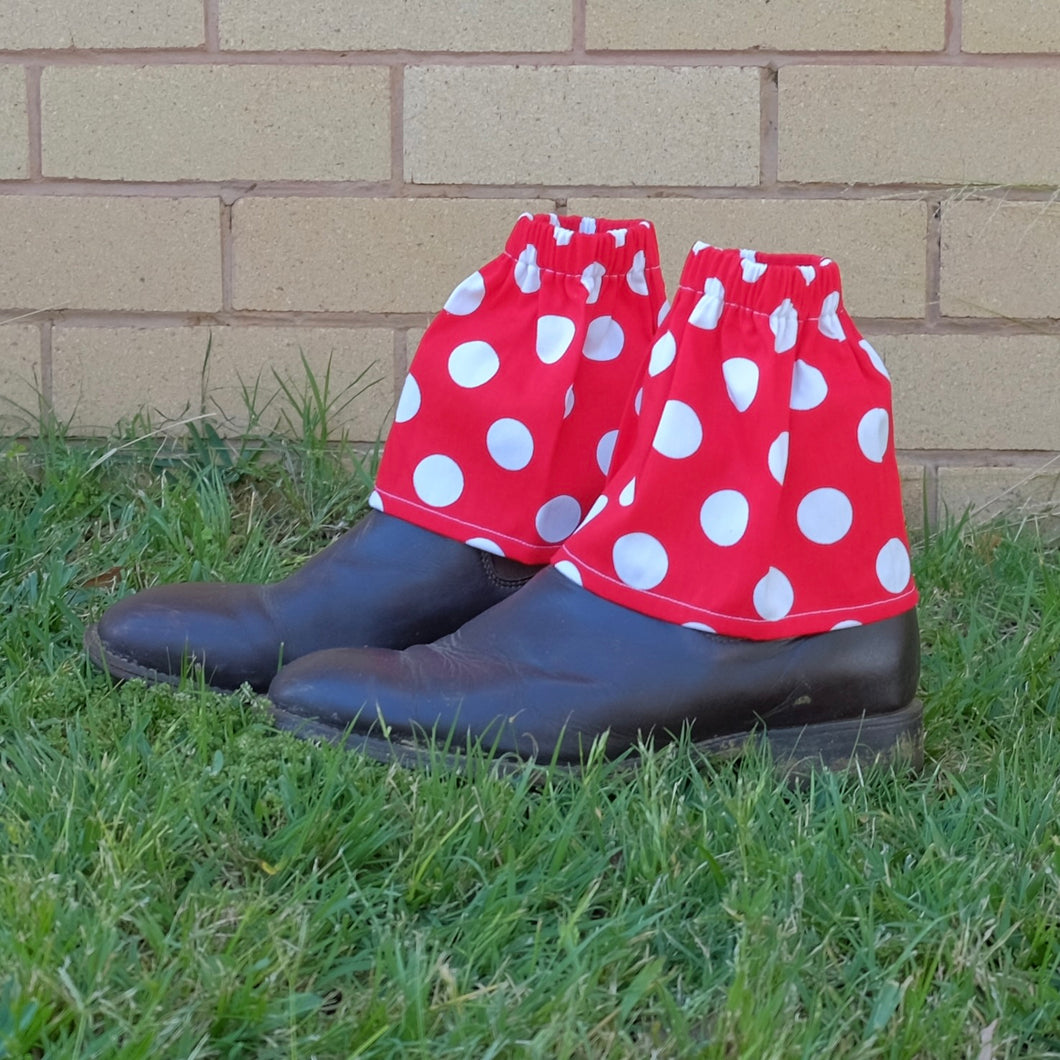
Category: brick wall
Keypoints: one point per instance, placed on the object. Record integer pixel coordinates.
(278, 179)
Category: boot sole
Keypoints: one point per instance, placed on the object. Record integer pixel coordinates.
(892, 741)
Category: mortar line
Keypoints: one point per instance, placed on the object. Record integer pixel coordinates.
(308, 189)
(401, 362)
(579, 18)
(787, 191)
(954, 27)
(871, 327)
(47, 368)
(933, 264)
(397, 131)
(211, 19)
(630, 57)
(931, 493)
(34, 123)
(228, 267)
(769, 130)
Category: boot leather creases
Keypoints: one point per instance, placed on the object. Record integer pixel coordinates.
(545, 673)
(385, 583)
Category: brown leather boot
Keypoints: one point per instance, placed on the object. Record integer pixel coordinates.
(385, 583)
(547, 673)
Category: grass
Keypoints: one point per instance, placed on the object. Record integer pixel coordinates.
(177, 879)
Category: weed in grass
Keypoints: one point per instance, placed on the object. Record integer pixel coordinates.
(177, 879)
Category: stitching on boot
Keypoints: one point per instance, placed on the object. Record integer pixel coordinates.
(498, 580)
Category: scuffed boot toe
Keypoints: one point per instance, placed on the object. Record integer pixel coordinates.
(161, 634)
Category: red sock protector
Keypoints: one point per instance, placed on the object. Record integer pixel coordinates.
(757, 493)
(506, 426)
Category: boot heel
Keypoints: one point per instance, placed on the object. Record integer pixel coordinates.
(894, 741)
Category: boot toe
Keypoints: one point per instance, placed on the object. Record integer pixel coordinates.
(162, 633)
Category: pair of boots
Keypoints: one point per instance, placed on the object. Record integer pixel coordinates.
(597, 514)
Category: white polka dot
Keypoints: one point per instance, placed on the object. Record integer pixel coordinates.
(438, 481)
(874, 431)
(778, 457)
(664, 309)
(662, 353)
(568, 570)
(809, 273)
(753, 270)
(473, 363)
(640, 560)
(510, 443)
(773, 596)
(568, 401)
(828, 321)
(527, 274)
(375, 501)
(562, 236)
(825, 262)
(679, 433)
(699, 245)
(619, 236)
(825, 515)
(892, 566)
(808, 387)
(484, 544)
(629, 491)
(636, 279)
(604, 339)
(698, 626)
(877, 360)
(467, 296)
(638, 400)
(592, 278)
(707, 311)
(849, 623)
(558, 518)
(598, 506)
(724, 517)
(409, 402)
(605, 450)
(554, 336)
(741, 381)
(587, 226)
(784, 323)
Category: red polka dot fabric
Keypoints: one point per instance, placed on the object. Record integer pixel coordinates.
(758, 495)
(506, 427)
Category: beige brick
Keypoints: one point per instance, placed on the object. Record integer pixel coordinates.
(610, 125)
(974, 391)
(110, 253)
(948, 125)
(103, 375)
(879, 245)
(1018, 495)
(20, 377)
(101, 24)
(792, 25)
(1012, 26)
(1000, 259)
(14, 134)
(374, 25)
(216, 122)
(372, 255)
